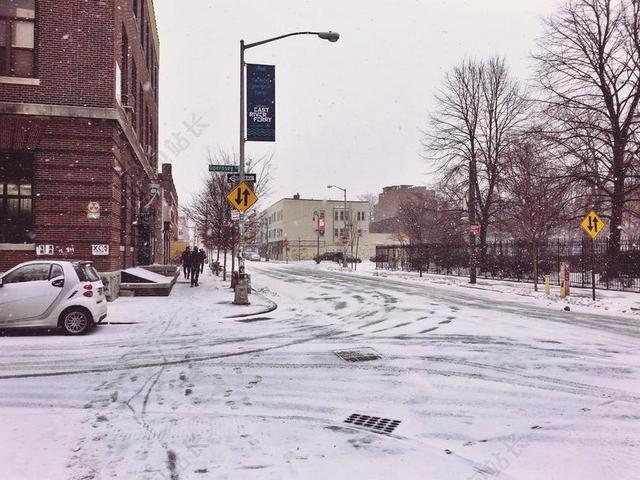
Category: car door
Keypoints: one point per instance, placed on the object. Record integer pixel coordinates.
(26, 294)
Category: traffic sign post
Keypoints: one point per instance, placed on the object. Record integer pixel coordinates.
(242, 197)
(592, 224)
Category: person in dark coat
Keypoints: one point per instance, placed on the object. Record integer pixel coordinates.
(203, 260)
(184, 260)
(195, 260)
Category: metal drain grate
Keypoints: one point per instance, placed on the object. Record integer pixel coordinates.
(360, 355)
(377, 424)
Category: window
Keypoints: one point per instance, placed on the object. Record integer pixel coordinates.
(56, 271)
(335, 215)
(17, 38)
(335, 232)
(86, 273)
(16, 199)
(361, 216)
(29, 273)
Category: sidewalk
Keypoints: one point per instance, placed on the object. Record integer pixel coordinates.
(212, 296)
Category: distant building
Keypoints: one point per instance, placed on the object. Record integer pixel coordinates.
(79, 133)
(386, 210)
(294, 221)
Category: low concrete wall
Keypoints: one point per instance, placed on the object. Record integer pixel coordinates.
(153, 289)
(111, 281)
(166, 270)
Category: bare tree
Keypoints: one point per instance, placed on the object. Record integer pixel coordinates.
(480, 110)
(534, 202)
(211, 211)
(589, 70)
(371, 199)
(430, 219)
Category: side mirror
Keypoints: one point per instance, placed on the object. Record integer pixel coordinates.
(57, 282)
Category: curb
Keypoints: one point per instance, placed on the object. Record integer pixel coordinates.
(269, 309)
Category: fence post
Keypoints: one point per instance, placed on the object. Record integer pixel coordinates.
(558, 269)
(582, 263)
(607, 274)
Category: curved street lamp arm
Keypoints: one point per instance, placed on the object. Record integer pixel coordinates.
(269, 40)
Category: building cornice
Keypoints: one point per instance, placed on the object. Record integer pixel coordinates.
(72, 111)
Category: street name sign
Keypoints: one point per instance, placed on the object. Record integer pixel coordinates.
(224, 168)
(592, 224)
(242, 197)
(235, 177)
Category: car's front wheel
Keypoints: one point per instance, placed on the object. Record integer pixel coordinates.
(75, 321)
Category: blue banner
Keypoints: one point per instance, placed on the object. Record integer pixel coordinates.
(261, 103)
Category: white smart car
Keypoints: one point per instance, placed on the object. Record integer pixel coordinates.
(54, 294)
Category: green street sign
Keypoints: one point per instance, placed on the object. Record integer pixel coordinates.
(224, 168)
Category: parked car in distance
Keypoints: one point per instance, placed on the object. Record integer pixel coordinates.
(335, 257)
(52, 294)
(330, 256)
(251, 255)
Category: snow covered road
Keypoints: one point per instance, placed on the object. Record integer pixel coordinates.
(483, 387)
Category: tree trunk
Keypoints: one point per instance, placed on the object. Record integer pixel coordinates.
(535, 266)
(483, 245)
(224, 266)
(617, 210)
(471, 206)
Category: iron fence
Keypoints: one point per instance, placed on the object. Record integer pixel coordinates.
(513, 260)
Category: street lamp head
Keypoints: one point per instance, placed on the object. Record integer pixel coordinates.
(331, 36)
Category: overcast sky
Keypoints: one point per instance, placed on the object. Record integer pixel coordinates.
(348, 113)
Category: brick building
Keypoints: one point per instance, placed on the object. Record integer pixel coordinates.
(79, 133)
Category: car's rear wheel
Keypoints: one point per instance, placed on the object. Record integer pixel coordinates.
(76, 321)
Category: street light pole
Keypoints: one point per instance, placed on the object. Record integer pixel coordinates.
(330, 36)
(344, 190)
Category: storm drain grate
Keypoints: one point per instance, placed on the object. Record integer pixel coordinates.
(360, 355)
(377, 424)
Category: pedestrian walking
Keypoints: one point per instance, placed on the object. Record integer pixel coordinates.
(203, 260)
(195, 261)
(184, 260)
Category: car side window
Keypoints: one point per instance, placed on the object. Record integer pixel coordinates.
(28, 273)
(56, 271)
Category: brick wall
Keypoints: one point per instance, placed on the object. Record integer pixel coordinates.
(74, 55)
(80, 160)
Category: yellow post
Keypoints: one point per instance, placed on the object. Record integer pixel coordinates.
(547, 285)
(562, 294)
